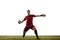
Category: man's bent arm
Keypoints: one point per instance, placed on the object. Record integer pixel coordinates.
(22, 21)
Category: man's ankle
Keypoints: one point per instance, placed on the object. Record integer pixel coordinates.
(23, 36)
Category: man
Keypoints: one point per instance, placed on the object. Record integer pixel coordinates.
(29, 23)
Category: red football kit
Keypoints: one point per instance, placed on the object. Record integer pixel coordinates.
(29, 22)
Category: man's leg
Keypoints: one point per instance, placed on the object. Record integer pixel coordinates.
(24, 33)
(25, 30)
(35, 31)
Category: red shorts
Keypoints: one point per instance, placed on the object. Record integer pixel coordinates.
(28, 27)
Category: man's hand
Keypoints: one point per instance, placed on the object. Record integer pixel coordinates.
(43, 15)
(19, 21)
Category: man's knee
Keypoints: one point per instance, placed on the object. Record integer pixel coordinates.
(25, 30)
(33, 28)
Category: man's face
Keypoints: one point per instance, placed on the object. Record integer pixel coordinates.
(28, 11)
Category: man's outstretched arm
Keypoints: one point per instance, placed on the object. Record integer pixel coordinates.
(42, 15)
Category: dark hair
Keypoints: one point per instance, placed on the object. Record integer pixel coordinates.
(28, 10)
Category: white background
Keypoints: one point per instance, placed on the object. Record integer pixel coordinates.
(13, 10)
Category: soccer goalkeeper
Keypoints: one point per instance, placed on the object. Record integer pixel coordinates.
(29, 23)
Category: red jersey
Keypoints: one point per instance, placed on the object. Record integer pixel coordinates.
(29, 20)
